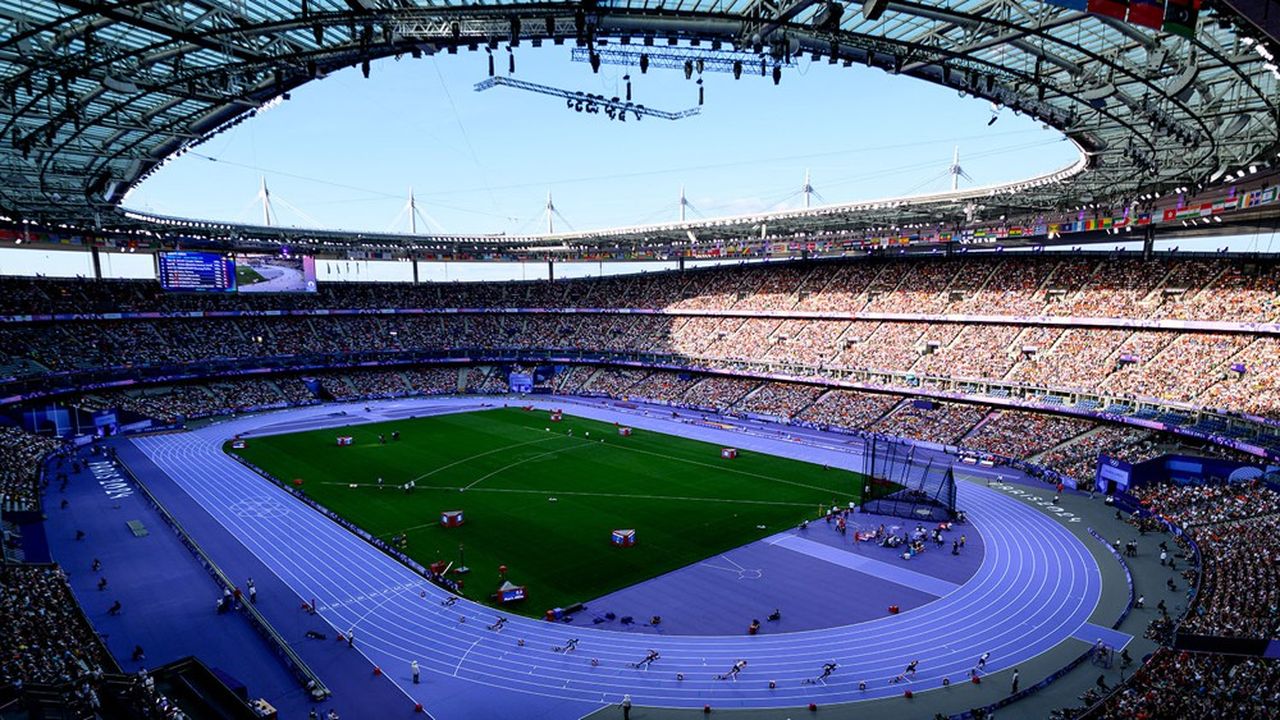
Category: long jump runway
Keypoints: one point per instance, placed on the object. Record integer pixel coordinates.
(1036, 587)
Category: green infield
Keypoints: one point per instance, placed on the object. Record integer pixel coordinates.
(542, 497)
(246, 275)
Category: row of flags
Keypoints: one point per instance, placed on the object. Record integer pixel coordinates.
(1177, 17)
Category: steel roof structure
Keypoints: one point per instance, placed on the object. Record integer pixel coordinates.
(94, 96)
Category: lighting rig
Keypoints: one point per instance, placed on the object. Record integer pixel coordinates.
(613, 108)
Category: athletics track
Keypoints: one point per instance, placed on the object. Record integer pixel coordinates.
(1036, 587)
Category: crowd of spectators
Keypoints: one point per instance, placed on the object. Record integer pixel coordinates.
(1236, 372)
(1078, 458)
(847, 409)
(46, 639)
(945, 423)
(1085, 286)
(1191, 504)
(20, 454)
(1179, 685)
(718, 393)
(613, 382)
(781, 400)
(1240, 590)
(1022, 435)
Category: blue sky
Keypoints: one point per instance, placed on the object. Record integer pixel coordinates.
(344, 151)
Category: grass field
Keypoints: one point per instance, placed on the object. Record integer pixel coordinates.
(246, 275)
(502, 466)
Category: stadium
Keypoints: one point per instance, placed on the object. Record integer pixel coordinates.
(1009, 448)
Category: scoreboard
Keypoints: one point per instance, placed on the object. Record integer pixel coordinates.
(197, 271)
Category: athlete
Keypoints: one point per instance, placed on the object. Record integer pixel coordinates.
(648, 660)
(733, 671)
(568, 647)
(827, 669)
(497, 626)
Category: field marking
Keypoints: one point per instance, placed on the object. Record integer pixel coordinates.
(480, 455)
(505, 468)
(463, 659)
(721, 467)
(624, 496)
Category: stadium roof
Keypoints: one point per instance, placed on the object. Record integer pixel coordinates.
(95, 96)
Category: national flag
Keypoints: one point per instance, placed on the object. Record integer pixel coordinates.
(1070, 4)
(1147, 13)
(1111, 8)
(1180, 17)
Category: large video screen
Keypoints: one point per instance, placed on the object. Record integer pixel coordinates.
(191, 271)
(275, 273)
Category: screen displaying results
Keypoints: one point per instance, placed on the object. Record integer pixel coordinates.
(195, 271)
(275, 273)
(189, 271)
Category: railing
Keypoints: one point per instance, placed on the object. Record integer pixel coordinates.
(1172, 324)
(303, 672)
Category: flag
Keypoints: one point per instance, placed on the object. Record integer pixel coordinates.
(1070, 4)
(1180, 17)
(1111, 8)
(1147, 13)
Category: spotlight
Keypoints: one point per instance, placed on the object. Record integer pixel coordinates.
(364, 68)
(737, 69)
(595, 62)
(627, 78)
(644, 63)
(777, 74)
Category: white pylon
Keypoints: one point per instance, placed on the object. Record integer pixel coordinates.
(264, 196)
(413, 213)
(956, 171)
(551, 211)
(807, 190)
(683, 203)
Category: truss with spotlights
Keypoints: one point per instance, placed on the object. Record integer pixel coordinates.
(612, 108)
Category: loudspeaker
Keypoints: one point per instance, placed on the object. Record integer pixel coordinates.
(873, 9)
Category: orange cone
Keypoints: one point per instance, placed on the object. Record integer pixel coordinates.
(377, 671)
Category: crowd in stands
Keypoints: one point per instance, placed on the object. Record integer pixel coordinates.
(1179, 685)
(718, 393)
(1240, 591)
(945, 423)
(1029, 285)
(1023, 435)
(784, 400)
(1236, 372)
(1190, 505)
(1079, 457)
(613, 382)
(847, 409)
(20, 453)
(46, 639)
